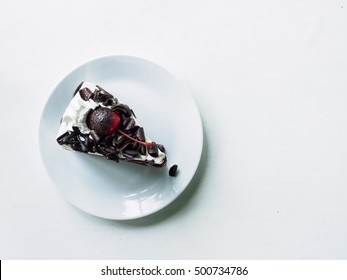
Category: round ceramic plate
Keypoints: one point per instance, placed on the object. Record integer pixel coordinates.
(124, 190)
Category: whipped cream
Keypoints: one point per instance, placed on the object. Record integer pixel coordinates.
(76, 113)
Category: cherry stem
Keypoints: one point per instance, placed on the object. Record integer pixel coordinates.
(138, 141)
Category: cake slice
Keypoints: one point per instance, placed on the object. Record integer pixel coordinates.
(97, 123)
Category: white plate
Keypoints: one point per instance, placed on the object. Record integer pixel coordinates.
(123, 190)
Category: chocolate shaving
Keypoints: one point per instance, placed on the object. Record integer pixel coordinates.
(108, 95)
(94, 149)
(133, 113)
(78, 88)
(101, 150)
(132, 131)
(62, 138)
(161, 148)
(84, 147)
(103, 92)
(153, 150)
(149, 162)
(95, 95)
(77, 147)
(76, 129)
(128, 110)
(152, 163)
(108, 140)
(130, 153)
(99, 97)
(85, 93)
(109, 150)
(116, 142)
(173, 170)
(140, 134)
(123, 110)
(135, 146)
(112, 156)
(142, 150)
(120, 109)
(82, 142)
(128, 124)
(124, 145)
(89, 142)
(73, 140)
(110, 102)
(95, 136)
(66, 138)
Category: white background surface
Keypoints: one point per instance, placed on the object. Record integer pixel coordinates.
(269, 78)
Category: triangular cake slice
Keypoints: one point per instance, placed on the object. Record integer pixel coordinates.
(97, 123)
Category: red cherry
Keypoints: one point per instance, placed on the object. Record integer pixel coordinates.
(114, 124)
(105, 122)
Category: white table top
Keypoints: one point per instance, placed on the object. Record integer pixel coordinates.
(269, 78)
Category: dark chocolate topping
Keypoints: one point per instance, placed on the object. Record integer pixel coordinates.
(115, 146)
(140, 134)
(128, 123)
(153, 150)
(124, 145)
(173, 170)
(116, 142)
(135, 145)
(78, 88)
(123, 110)
(95, 136)
(92, 143)
(161, 148)
(85, 93)
(130, 153)
(83, 142)
(110, 102)
(142, 150)
(104, 92)
(112, 156)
